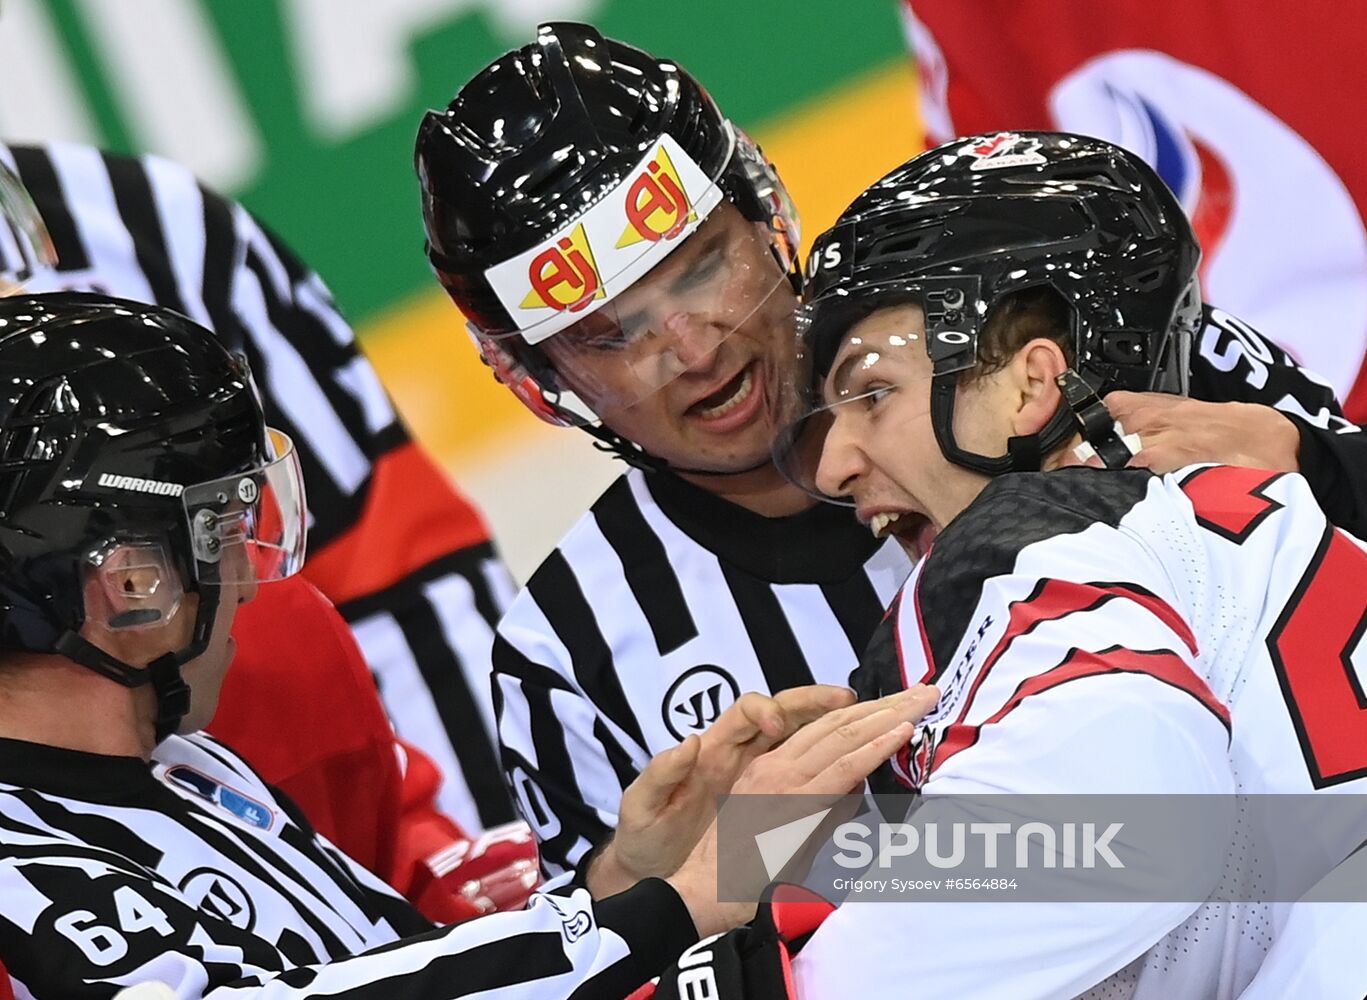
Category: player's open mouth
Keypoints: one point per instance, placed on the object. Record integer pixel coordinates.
(733, 400)
(913, 531)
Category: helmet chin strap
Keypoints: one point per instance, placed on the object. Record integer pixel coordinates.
(1080, 411)
(168, 686)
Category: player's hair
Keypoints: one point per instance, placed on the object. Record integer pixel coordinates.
(1018, 318)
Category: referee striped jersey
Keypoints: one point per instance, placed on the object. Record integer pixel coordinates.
(661, 606)
(406, 559)
(192, 872)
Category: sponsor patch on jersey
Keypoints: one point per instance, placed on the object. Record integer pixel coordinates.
(1005, 149)
(249, 810)
(135, 485)
(630, 230)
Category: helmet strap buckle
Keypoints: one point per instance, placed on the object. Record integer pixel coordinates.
(1091, 418)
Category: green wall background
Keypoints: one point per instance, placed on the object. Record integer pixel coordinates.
(350, 206)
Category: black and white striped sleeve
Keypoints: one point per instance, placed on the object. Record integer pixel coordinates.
(75, 922)
(1233, 361)
(566, 764)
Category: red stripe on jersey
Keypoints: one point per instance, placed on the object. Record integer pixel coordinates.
(1163, 665)
(413, 515)
(931, 670)
(1229, 500)
(1314, 645)
(1054, 599)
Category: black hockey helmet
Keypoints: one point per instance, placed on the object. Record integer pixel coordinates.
(127, 428)
(960, 227)
(25, 246)
(560, 175)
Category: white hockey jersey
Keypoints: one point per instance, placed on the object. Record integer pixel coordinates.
(1098, 632)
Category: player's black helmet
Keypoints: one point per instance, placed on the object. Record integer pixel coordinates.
(958, 228)
(127, 425)
(547, 139)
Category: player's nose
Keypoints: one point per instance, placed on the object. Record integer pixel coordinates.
(841, 462)
(693, 339)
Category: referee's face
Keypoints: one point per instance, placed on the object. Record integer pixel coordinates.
(684, 365)
(204, 674)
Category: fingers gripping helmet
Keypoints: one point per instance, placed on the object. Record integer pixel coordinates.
(128, 432)
(540, 144)
(960, 227)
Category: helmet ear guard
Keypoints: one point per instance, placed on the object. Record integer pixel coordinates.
(538, 392)
(131, 586)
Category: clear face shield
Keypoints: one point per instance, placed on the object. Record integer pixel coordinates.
(722, 282)
(877, 381)
(646, 285)
(251, 526)
(25, 246)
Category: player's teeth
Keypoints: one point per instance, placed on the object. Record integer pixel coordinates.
(725, 407)
(880, 523)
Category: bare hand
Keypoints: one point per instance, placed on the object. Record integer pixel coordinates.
(1175, 431)
(671, 803)
(830, 757)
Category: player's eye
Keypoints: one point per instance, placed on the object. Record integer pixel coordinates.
(879, 392)
(703, 270)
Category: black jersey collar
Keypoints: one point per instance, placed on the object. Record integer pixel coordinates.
(823, 544)
(74, 773)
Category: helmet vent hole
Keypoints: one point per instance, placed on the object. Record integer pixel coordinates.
(908, 245)
(1148, 280)
(21, 448)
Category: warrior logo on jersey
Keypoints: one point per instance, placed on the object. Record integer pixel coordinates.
(565, 275)
(1005, 149)
(697, 698)
(216, 893)
(657, 207)
(575, 923)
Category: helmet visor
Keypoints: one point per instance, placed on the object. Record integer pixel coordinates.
(876, 381)
(251, 525)
(25, 246)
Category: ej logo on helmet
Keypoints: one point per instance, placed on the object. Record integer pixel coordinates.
(620, 238)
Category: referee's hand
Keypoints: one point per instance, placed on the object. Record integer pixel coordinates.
(671, 803)
(827, 759)
(669, 807)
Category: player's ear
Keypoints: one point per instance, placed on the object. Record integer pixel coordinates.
(1033, 371)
